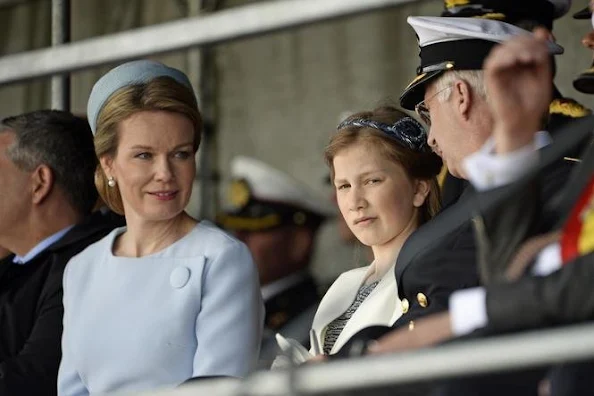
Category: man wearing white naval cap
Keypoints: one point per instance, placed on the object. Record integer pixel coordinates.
(540, 285)
(277, 217)
(450, 95)
(529, 15)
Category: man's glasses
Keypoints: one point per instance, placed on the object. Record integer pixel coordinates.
(423, 111)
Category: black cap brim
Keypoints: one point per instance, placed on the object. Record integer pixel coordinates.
(585, 82)
(415, 91)
(583, 14)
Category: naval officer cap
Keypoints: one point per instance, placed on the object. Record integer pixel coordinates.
(585, 13)
(131, 73)
(543, 12)
(261, 197)
(455, 44)
(584, 82)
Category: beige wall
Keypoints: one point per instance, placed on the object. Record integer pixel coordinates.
(278, 96)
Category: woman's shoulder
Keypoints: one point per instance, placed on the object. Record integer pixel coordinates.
(95, 251)
(103, 244)
(205, 230)
(209, 240)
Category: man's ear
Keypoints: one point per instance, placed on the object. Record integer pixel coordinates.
(421, 192)
(42, 183)
(463, 97)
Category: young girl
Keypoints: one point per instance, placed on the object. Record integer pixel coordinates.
(386, 187)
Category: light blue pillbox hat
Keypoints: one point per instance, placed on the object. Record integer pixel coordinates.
(131, 73)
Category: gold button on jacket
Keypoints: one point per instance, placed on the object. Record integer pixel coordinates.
(404, 305)
(422, 299)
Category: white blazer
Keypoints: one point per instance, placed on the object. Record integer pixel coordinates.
(381, 307)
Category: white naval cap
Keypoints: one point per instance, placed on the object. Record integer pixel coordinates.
(262, 197)
(455, 44)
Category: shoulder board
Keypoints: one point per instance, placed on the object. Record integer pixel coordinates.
(569, 108)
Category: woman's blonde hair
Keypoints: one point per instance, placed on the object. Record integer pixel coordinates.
(419, 165)
(161, 93)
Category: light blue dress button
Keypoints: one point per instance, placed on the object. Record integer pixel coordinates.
(179, 277)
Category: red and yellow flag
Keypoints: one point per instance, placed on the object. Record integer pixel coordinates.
(578, 233)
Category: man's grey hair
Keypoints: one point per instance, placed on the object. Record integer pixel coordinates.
(474, 78)
(62, 142)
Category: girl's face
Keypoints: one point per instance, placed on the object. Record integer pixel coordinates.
(375, 195)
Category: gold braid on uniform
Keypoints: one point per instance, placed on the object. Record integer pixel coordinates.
(568, 108)
(441, 178)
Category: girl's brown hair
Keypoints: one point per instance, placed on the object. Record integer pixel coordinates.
(418, 164)
(161, 93)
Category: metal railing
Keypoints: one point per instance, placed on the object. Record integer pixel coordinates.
(215, 28)
(494, 354)
(60, 85)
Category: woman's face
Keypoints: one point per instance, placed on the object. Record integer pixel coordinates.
(154, 166)
(375, 196)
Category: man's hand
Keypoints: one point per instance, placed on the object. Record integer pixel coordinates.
(317, 359)
(421, 333)
(518, 78)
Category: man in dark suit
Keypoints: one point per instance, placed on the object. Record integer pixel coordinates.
(450, 94)
(47, 166)
(277, 218)
(536, 256)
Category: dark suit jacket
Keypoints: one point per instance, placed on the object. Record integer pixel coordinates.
(31, 313)
(290, 313)
(562, 297)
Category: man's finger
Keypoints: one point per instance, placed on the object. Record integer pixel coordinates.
(541, 33)
(391, 342)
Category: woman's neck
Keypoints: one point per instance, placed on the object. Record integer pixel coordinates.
(384, 256)
(143, 238)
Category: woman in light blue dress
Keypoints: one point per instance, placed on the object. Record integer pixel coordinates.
(168, 297)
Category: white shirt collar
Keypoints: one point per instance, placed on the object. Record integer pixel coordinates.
(541, 139)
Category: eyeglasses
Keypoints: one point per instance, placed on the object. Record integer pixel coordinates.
(423, 111)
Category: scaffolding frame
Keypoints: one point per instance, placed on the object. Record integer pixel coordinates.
(219, 27)
(197, 30)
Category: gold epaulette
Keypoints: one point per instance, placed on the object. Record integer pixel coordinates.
(568, 108)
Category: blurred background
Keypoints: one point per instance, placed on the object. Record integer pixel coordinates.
(276, 97)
